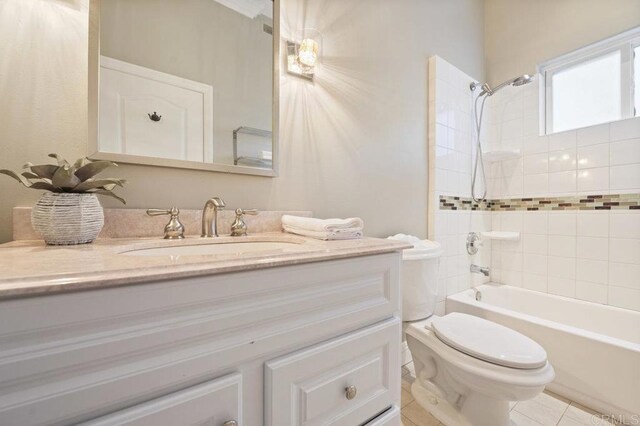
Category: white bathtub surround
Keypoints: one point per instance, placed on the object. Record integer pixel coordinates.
(588, 255)
(569, 330)
(450, 154)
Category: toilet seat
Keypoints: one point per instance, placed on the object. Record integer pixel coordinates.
(488, 341)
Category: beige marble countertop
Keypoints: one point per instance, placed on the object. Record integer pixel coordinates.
(30, 268)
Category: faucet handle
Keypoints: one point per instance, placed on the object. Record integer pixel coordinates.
(252, 212)
(239, 227)
(174, 230)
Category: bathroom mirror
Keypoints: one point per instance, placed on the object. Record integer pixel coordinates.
(185, 83)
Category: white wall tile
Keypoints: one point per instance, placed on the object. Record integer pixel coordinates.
(560, 161)
(562, 182)
(562, 223)
(593, 224)
(534, 282)
(595, 271)
(533, 144)
(561, 267)
(513, 278)
(625, 152)
(511, 221)
(624, 250)
(591, 292)
(625, 129)
(562, 245)
(536, 163)
(624, 275)
(593, 135)
(625, 177)
(535, 244)
(591, 180)
(624, 225)
(535, 264)
(593, 248)
(593, 156)
(536, 185)
(562, 286)
(563, 140)
(535, 222)
(624, 297)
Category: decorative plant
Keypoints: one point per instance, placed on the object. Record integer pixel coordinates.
(78, 178)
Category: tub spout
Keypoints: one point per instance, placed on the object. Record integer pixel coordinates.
(480, 270)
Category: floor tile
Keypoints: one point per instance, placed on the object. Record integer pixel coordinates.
(406, 421)
(418, 415)
(518, 419)
(407, 381)
(544, 409)
(405, 398)
(584, 416)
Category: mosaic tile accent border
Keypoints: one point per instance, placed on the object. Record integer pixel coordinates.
(579, 202)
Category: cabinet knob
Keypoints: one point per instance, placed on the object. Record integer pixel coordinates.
(351, 392)
(230, 423)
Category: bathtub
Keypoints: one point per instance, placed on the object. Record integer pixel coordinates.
(594, 349)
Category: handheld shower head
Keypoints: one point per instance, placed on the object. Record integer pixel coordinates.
(522, 80)
(488, 90)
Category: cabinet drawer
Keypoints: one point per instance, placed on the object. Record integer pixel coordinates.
(213, 403)
(310, 387)
(391, 417)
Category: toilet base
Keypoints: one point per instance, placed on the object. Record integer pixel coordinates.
(476, 410)
(439, 407)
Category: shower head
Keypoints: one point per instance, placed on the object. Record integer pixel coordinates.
(522, 80)
(488, 90)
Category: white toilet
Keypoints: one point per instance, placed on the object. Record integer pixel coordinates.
(467, 369)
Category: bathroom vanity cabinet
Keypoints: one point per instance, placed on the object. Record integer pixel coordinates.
(306, 344)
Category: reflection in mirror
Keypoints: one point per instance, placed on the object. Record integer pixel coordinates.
(187, 82)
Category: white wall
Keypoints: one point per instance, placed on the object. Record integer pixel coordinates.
(522, 33)
(353, 143)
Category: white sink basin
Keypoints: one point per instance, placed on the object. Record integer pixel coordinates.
(214, 249)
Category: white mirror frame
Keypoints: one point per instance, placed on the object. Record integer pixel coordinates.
(93, 109)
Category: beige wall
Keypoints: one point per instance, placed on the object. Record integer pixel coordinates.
(353, 143)
(519, 34)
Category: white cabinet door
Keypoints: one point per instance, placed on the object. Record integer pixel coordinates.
(214, 403)
(345, 381)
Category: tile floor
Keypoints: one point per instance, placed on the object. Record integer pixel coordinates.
(547, 409)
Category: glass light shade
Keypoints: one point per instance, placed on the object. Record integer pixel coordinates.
(308, 52)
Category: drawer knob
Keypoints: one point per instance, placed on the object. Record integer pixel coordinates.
(351, 392)
(230, 423)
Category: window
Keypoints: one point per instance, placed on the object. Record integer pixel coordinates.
(592, 85)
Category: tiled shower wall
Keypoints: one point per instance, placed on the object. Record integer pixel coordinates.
(450, 153)
(592, 255)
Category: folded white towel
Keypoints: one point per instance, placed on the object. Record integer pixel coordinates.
(340, 234)
(322, 225)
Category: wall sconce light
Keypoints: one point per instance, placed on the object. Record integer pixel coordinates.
(303, 56)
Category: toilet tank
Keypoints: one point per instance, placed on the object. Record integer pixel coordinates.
(419, 277)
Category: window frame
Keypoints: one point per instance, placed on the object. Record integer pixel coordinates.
(624, 42)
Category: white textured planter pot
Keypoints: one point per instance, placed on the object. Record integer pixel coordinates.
(66, 219)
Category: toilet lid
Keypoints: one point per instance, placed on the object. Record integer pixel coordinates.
(489, 341)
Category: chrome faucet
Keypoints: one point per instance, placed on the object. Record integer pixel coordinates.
(210, 217)
(480, 270)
